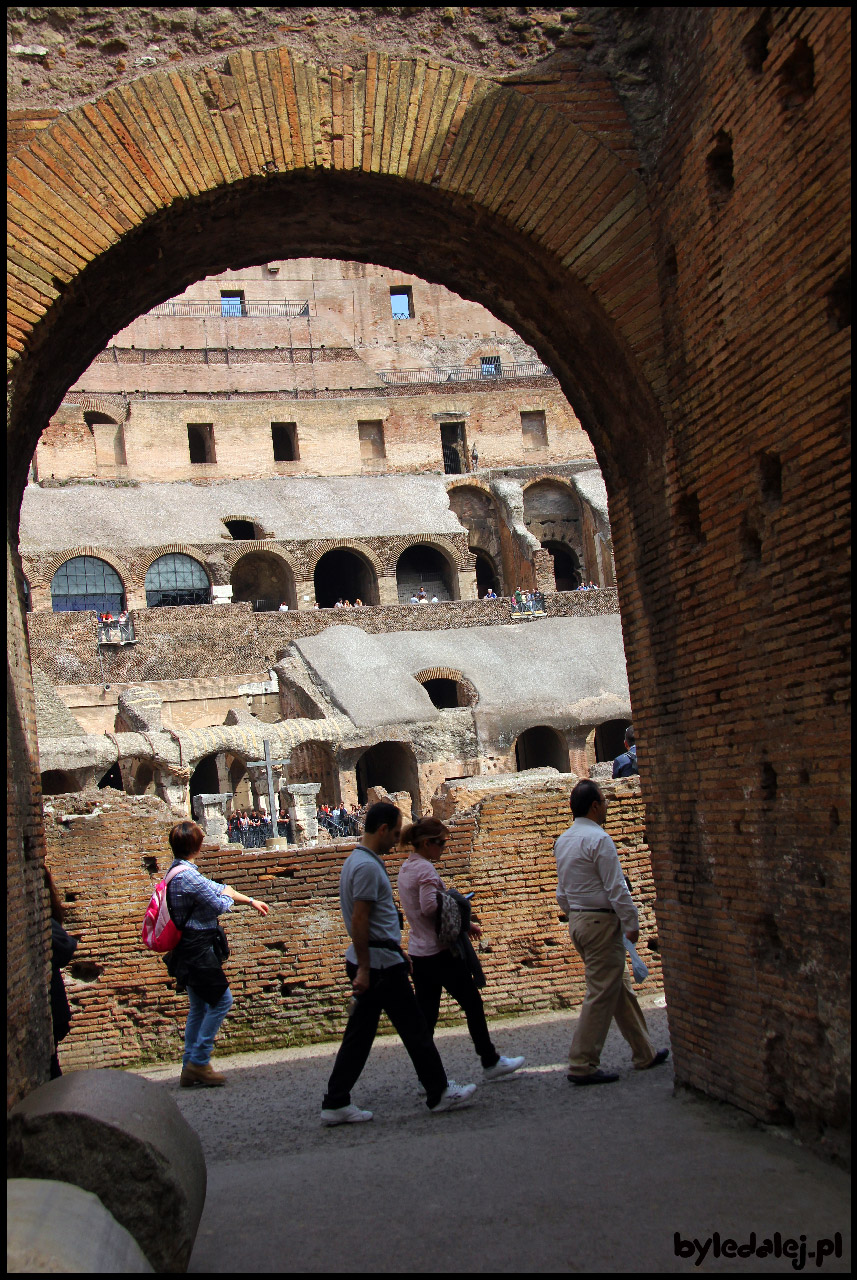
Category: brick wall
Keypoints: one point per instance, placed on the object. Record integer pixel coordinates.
(286, 972)
(220, 640)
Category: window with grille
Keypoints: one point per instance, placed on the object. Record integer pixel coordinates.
(176, 580)
(85, 582)
(490, 366)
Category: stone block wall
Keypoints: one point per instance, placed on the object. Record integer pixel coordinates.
(286, 971)
(222, 640)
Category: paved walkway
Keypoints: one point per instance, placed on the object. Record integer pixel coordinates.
(536, 1176)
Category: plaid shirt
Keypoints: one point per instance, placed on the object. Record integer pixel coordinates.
(191, 889)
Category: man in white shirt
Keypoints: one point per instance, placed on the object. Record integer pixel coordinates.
(591, 890)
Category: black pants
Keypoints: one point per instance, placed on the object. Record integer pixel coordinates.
(389, 992)
(446, 972)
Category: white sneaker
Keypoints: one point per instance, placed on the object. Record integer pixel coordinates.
(453, 1096)
(503, 1067)
(344, 1115)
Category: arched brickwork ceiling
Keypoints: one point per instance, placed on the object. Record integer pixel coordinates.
(127, 200)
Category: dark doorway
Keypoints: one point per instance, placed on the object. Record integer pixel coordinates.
(241, 530)
(391, 765)
(344, 575)
(541, 747)
(57, 783)
(443, 692)
(566, 566)
(265, 580)
(486, 574)
(454, 446)
(112, 778)
(424, 567)
(610, 740)
(204, 779)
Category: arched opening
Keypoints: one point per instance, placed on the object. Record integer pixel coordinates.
(56, 782)
(85, 582)
(315, 762)
(553, 515)
(143, 779)
(427, 570)
(176, 580)
(610, 740)
(343, 574)
(239, 784)
(541, 747)
(112, 778)
(265, 580)
(204, 780)
(487, 578)
(241, 530)
(566, 566)
(391, 765)
(443, 693)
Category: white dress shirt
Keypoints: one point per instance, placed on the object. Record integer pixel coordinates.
(589, 874)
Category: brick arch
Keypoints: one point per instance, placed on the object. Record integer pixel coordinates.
(174, 549)
(450, 673)
(234, 553)
(452, 551)
(350, 544)
(53, 562)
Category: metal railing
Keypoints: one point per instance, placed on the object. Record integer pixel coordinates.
(466, 373)
(116, 632)
(295, 307)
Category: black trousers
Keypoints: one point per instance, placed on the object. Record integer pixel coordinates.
(389, 992)
(446, 972)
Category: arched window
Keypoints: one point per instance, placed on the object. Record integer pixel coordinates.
(84, 582)
(342, 574)
(424, 568)
(176, 579)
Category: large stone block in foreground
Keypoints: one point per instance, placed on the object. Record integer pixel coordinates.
(125, 1140)
(54, 1228)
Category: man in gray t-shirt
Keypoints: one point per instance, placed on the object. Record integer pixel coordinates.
(379, 973)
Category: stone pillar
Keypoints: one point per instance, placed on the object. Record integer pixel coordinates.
(388, 589)
(172, 787)
(302, 811)
(221, 594)
(258, 785)
(305, 592)
(209, 811)
(467, 587)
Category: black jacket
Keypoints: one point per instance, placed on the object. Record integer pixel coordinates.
(197, 962)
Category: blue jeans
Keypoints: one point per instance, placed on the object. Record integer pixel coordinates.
(203, 1024)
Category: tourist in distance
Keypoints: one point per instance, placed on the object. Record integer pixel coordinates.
(339, 604)
(591, 890)
(490, 594)
(625, 766)
(421, 595)
(436, 968)
(414, 599)
(435, 600)
(358, 603)
(194, 903)
(378, 970)
(284, 608)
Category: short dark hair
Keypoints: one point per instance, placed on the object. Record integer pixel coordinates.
(629, 735)
(185, 838)
(584, 796)
(383, 813)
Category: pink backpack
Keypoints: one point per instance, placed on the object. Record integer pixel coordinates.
(158, 932)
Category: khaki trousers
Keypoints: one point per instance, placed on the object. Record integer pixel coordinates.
(609, 994)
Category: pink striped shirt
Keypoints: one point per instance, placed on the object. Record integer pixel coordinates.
(418, 885)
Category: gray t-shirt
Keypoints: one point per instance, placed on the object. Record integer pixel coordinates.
(364, 879)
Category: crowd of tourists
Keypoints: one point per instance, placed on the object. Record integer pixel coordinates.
(182, 921)
(532, 602)
(587, 586)
(341, 821)
(252, 827)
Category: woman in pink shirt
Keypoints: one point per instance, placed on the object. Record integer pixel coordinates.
(436, 968)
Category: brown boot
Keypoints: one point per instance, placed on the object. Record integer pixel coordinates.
(206, 1076)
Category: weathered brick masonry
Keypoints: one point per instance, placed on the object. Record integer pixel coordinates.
(213, 640)
(694, 304)
(286, 972)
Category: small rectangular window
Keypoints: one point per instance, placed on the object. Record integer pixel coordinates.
(534, 430)
(232, 302)
(200, 440)
(285, 440)
(402, 303)
(490, 366)
(371, 440)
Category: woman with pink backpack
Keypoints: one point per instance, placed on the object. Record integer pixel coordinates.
(196, 962)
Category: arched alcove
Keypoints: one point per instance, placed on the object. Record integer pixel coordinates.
(425, 568)
(566, 566)
(487, 577)
(315, 762)
(541, 747)
(205, 779)
(610, 740)
(391, 765)
(264, 579)
(343, 574)
(56, 782)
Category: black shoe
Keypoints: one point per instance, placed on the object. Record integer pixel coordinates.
(595, 1077)
(660, 1056)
